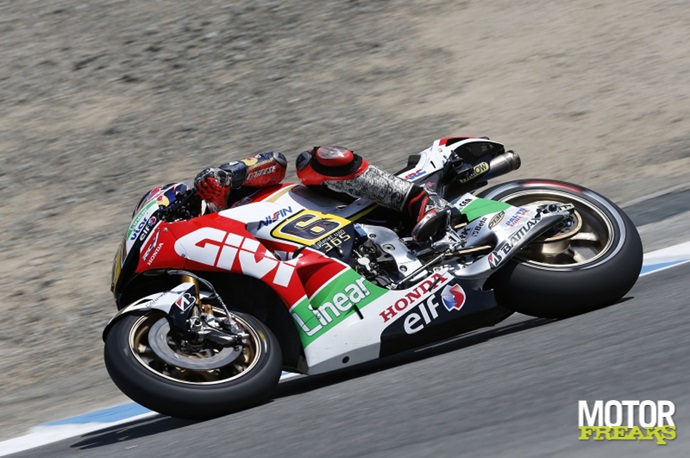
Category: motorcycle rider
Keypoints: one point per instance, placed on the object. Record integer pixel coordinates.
(338, 169)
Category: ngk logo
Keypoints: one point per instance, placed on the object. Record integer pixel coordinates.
(222, 249)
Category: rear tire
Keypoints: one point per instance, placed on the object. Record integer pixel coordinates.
(230, 382)
(591, 269)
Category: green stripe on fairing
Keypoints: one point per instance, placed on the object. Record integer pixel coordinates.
(481, 207)
(350, 285)
(139, 217)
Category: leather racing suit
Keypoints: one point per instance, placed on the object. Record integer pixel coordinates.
(338, 169)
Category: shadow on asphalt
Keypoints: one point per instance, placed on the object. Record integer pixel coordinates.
(304, 384)
(129, 431)
(154, 425)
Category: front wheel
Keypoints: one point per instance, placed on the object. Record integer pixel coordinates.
(160, 370)
(592, 263)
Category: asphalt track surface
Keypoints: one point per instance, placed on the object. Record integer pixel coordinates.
(511, 390)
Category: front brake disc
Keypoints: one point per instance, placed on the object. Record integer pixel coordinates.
(158, 340)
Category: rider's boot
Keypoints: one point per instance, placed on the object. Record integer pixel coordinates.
(433, 216)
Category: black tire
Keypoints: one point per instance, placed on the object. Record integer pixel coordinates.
(594, 268)
(192, 394)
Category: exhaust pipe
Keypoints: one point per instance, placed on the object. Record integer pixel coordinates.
(502, 164)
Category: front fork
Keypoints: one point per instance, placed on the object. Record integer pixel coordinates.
(200, 322)
(190, 312)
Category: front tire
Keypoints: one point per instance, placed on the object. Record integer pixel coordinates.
(207, 382)
(569, 273)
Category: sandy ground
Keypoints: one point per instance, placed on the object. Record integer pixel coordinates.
(102, 100)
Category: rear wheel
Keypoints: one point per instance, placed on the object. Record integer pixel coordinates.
(590, 264)
(160, 370)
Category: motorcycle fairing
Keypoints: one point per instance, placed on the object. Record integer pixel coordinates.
(478, 207)
(404, 318)
(341, 317)
(472, 157)
(338, 313)
(343, 325)
(445, 313)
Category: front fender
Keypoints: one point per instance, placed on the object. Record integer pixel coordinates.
(175, 303)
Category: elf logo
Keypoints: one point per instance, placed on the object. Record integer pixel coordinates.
(228, 251)
(413, 297)
(453, 297)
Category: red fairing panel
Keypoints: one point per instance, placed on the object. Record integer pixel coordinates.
(218, 244)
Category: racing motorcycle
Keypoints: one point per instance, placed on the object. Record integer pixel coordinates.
(212, 307)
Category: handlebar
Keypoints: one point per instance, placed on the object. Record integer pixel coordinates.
(182, 207)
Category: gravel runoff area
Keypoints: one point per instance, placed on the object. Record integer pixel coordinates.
(102, 100)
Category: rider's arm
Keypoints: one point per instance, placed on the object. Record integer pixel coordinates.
(214, 184)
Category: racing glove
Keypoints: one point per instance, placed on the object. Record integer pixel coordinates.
(213, 185)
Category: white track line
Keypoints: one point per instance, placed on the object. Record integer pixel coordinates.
(666, 258)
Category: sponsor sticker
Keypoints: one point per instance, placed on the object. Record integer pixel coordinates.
(413, 297)
(464, 202)
(478, 227)
(453, 297)
(185, 301)
(333, 304)
(496, 219)
(261, 172)
(229, 251)
(139, 222)
(477, 170)
(414, 174)
(154, 254)
(513, 220)
(151, 246)
(308, 227)
(333, 241)
(278, 215)
(503, 248)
